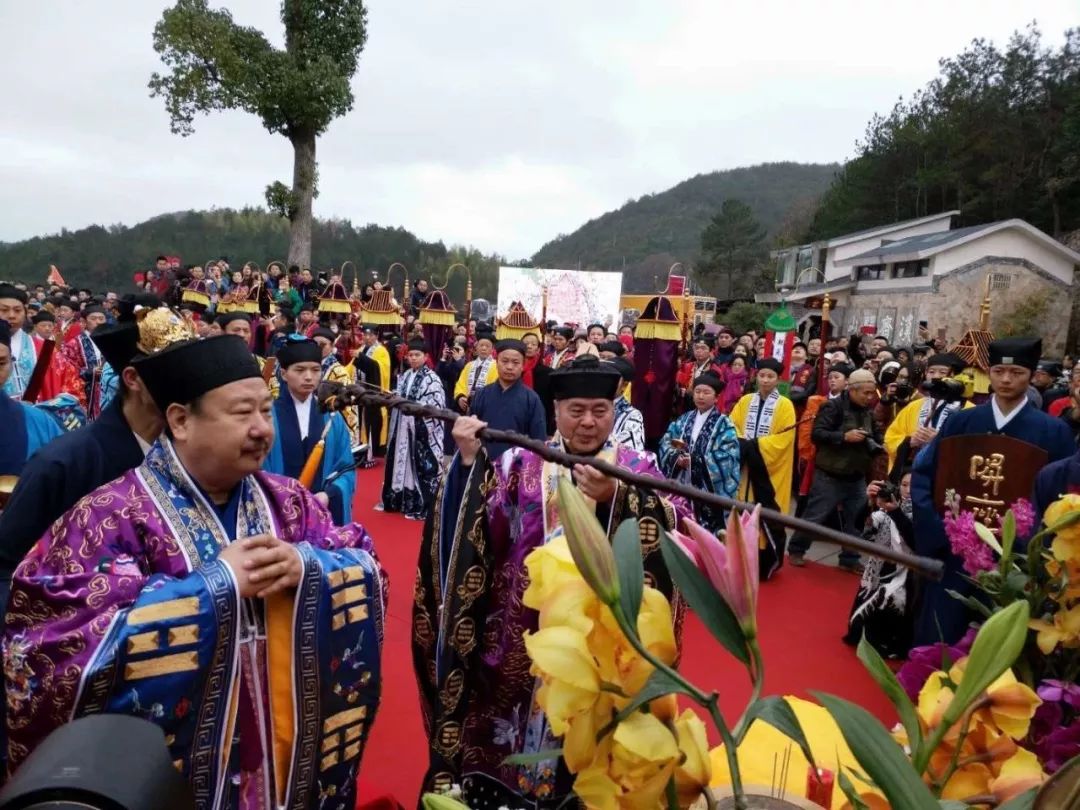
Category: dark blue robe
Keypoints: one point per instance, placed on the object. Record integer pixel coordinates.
(289, 454)
(1056, 479)
(938, 609)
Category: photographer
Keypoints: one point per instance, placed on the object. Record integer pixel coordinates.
(919, 422)
(451, 362)
(846, 441)
(882, 607)
(894, 385)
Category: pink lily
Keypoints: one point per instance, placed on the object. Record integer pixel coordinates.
(731, 565)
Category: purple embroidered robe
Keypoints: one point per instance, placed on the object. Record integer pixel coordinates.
(477, 693)
(123, 606)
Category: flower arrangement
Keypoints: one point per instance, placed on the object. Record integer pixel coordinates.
(1044, 574)
(972, 732)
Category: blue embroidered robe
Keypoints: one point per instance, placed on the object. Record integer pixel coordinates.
(289, 452)
(714, 460)
(125, 606)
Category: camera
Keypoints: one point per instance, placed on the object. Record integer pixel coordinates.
(889, 492)
(947, 389)
(904, 390)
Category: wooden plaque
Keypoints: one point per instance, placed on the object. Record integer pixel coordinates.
(988, 471)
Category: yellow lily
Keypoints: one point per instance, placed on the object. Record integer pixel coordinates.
(1066, 543)
(1064, 630)
(971, 780)
(1020, 773)
(1071, 569)
(695, 770)
(1012, 705)
(632, 767)
(550, 566)
(571, 681)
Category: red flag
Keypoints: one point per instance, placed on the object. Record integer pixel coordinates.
(54, 277)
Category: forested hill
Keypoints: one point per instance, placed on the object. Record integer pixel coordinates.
(107, 257)
(650, 233)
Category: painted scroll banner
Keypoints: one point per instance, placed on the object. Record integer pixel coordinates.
(574, 296)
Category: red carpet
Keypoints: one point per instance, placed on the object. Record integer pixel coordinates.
(802, 615)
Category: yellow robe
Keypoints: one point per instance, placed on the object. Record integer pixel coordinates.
(342, 374)
(272, 383)
(905, 424)
(461, 387)
(382, 358)
(777, 449)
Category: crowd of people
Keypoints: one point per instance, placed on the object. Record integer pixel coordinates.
(164, 452)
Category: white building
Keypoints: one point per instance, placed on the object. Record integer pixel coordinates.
(891, 278)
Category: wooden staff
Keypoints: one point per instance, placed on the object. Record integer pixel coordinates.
(336, 396)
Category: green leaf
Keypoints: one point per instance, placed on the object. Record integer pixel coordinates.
(439, 801)
(849, 790)
(1008, 540)
(952, 804)
(970, 602)
(658, 685)
(882, 759)
(1025, 801)
(704, 600)
(987, 537)
(629, 567)
(534, 758)
(885, 678)
(776, 711)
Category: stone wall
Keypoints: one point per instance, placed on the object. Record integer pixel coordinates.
(954, 300)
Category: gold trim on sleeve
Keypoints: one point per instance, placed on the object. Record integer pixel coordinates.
(173, 609)
(354, 593)
(165, 665)
(184, 634)
(143, 642)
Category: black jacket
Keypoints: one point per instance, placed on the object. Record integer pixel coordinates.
(835, 456)
(58, 475)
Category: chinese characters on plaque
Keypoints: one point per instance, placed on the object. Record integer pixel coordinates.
(987, 472)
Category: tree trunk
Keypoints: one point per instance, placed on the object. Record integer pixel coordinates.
(303, 187)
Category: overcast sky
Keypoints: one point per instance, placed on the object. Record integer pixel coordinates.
(497, 124)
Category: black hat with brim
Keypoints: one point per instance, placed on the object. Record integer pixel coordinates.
(185, 371)
(118, 343)
(624, 367)
(1017, 351)
(510, 345)
(953, 362)
(585, 378)
(228, 317)
(299, 351)
(711, 380)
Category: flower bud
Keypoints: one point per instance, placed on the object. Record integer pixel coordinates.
(589, 545)
(997, 645)
(441, 801)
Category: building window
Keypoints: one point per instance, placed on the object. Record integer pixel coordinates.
(916, 269)
(870, 272)
(785, 269)
(1000, 281)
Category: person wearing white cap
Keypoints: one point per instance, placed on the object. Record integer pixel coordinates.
(847, 440)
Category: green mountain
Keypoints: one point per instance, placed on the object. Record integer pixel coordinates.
(107, 257)
(645, 236)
